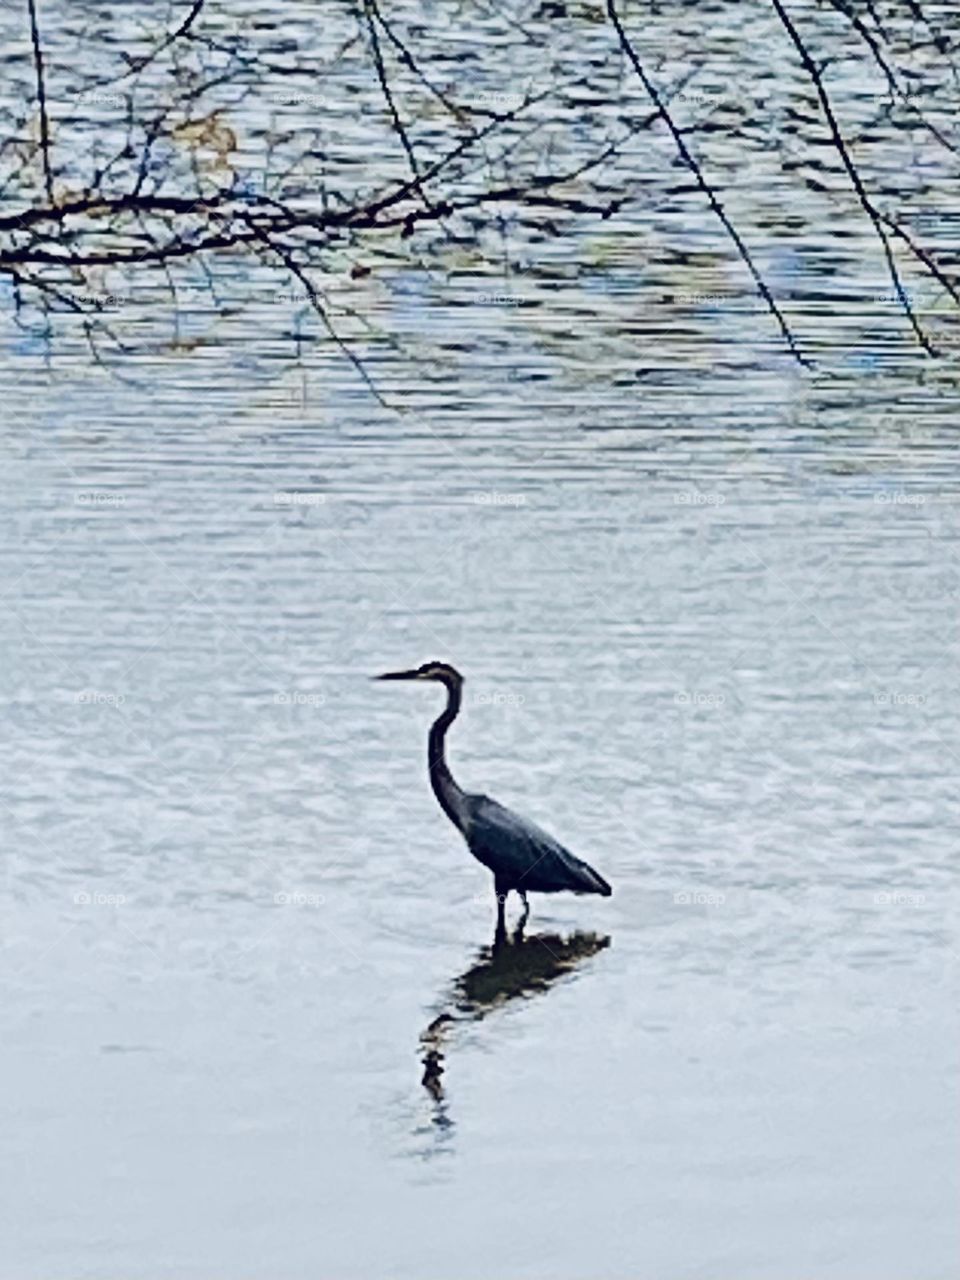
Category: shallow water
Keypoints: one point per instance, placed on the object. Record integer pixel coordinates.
(722, 674)
(251, 1023)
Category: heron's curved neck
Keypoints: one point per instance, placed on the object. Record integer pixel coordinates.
(441, 779)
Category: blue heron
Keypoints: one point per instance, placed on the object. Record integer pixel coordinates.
(520, 855)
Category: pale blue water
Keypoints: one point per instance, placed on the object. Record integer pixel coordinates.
(705, 604)
(723, 675)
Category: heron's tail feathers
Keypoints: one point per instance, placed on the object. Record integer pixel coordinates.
(603, 888)
(590, 881)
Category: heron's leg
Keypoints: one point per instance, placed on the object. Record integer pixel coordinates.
(521, 925)
(501, 891)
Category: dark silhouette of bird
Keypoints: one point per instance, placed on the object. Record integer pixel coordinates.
(501, 973)
(521, 856)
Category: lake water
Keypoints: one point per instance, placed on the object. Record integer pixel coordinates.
(705, 603)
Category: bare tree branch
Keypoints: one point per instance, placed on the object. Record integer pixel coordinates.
(194, 163)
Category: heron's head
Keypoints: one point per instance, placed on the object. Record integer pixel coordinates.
(441, 672)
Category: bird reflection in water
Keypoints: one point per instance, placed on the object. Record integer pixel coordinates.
(512, 967)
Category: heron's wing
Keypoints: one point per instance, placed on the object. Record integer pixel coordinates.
(523, 855)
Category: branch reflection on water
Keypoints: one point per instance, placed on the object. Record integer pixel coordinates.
(511, 967)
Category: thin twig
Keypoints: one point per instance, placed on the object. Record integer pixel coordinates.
(842, 6)
(170, 38)
(688, 159)
(41, 99)
(856, 181)
(399, 129)
(287, 259)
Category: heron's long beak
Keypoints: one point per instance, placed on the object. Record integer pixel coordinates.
(399, 675)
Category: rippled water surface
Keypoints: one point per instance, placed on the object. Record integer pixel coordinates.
(719, 661)
(706, 610)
